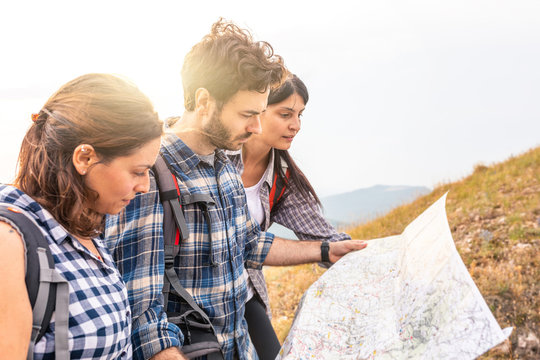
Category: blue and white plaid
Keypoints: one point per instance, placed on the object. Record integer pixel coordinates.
(136, 240)
(99, 314)
(301, 215)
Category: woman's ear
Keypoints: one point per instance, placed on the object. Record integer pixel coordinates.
(84, 156)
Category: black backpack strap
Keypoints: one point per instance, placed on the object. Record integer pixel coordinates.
(204, 201)
(174, 230)
(168, 193)
(174, 223)
(43, 283)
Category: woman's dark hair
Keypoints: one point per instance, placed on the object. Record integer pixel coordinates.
(101, 110)
(293, 85)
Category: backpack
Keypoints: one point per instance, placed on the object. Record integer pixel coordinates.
(48, 291)
(199, 335)
(278, 188)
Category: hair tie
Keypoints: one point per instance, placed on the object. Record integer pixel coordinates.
(48, 113)
(36, 117)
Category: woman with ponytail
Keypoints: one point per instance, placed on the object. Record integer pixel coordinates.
(263, 161)
(86, 154)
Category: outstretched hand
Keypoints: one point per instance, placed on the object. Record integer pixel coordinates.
(339, 249)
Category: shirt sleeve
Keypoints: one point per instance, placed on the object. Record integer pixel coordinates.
(257, 249)
(135, 239)
(304, 217)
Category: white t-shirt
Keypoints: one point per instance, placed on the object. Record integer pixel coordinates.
(255, 206)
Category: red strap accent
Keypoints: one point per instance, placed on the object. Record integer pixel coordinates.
(273, 192)
(272, 197)
(284, 186)
(177, 236)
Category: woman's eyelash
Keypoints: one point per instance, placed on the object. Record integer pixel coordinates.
(140, 173)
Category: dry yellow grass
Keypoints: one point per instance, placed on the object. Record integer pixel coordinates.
(494, 215)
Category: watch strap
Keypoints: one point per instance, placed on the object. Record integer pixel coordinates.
(325, 248)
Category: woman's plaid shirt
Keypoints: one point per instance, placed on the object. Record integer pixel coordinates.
(99, 315)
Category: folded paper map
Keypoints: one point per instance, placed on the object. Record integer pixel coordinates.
(403, 297)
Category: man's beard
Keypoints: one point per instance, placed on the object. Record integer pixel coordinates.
(219, 136)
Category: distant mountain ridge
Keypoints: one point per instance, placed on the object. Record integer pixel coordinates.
(358, 206)
(361, 205)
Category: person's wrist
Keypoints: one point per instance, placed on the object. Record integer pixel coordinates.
(325, 250)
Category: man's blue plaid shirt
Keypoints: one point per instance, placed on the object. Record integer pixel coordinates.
(135, 237)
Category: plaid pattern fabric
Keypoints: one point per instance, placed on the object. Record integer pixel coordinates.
(292, 211)
(136, 240)
(99, 314)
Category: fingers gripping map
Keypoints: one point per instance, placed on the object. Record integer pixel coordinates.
(403, 297)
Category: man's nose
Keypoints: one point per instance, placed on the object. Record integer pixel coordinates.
(254, 125)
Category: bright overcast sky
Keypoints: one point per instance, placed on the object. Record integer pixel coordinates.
(401, 92)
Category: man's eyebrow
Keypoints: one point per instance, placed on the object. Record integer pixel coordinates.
(253, 112)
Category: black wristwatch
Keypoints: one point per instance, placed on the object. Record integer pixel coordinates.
(325, 248)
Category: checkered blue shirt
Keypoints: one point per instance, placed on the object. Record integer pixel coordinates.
(99, 315)
(135, 237)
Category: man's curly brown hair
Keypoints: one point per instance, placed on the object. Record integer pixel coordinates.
(226, 61)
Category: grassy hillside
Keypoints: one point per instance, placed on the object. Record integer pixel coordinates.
(494, 215)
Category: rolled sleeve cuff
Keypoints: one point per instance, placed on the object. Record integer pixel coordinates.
(257, 257)
(153, 337)
(339, 237)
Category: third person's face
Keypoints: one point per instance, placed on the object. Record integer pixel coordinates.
(281, 122)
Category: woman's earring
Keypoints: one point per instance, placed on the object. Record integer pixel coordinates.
(83, 172)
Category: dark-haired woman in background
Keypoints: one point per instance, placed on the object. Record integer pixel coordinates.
(263, 157)
(87, 153)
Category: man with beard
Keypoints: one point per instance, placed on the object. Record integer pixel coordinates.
(226, 78)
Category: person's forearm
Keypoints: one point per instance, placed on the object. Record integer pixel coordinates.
(171, 353)
(293, 252)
